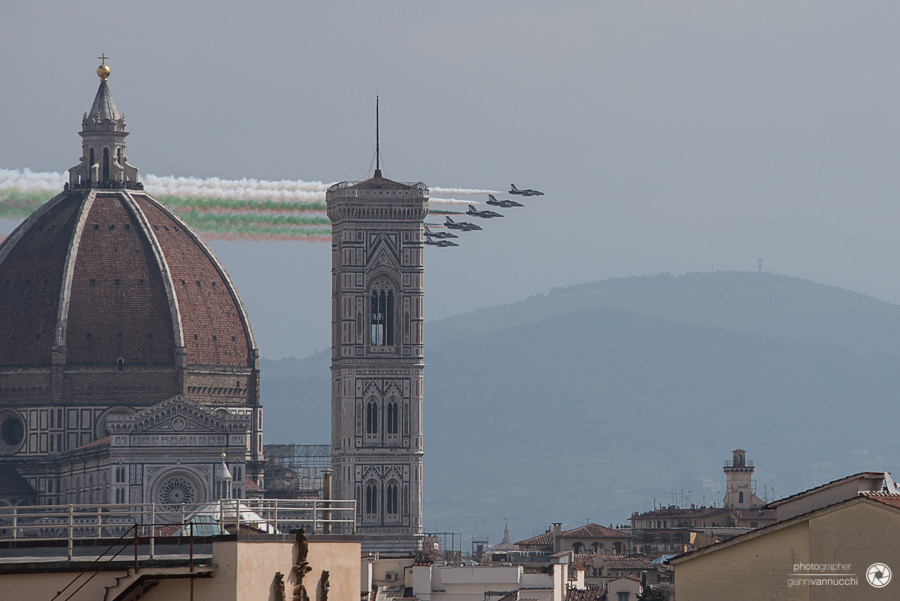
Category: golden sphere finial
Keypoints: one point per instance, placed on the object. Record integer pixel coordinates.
(224, 455)
(103, 69)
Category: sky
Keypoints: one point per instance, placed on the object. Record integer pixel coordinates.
(675, 137)
(668, 137)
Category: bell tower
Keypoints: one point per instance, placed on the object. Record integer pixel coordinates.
(739, 489)
(376, 356)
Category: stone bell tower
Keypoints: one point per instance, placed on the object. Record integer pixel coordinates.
(376, 356)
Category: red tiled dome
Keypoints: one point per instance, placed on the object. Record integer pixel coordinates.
(107, 294)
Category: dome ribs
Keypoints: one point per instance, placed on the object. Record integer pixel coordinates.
(214, 324)
(32, 267)
(116, 278)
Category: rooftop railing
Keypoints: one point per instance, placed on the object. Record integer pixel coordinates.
(153, 520)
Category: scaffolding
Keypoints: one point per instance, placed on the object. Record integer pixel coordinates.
(295, 470)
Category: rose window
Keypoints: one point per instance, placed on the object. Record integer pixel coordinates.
(177, 490)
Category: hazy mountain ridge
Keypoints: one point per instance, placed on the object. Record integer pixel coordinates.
(744, 301)
(598, 411)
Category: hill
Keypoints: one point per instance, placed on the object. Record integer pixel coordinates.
(598, 400)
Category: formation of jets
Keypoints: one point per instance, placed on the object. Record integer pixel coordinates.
(441, 239)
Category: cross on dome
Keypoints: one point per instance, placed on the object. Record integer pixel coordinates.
(103, 69)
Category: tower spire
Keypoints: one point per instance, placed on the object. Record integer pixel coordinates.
(377, 147)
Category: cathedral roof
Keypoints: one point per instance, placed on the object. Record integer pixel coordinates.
(104, 275)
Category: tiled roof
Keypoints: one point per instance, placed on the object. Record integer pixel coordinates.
(884, 497)
(380, 183)
(544, 539)
(629, 563)
(113, 279)
(587, 594)
(586, 531)
(595, 531)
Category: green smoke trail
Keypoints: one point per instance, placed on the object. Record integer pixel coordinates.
(200, 220)
(15, 204)
(179, 204)
(220, 217)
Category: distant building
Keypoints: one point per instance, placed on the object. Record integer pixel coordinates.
(127, 362)
(590, 538)
(377, 362)
(836, 541)
(675, 529)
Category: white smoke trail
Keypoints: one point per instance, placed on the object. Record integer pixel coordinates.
(26, 180)
(450, 201)
(236, 189)
(462, 191)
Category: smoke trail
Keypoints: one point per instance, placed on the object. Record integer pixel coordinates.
(28, 181)
(217, 208)
(450, 201)
(242, 189)
(212, 221)
(462, 191)
(177, 203)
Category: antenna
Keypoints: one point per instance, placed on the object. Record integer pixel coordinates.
(377, 148)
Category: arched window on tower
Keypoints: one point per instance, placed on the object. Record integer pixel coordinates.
(371, 499)
(105, 176)
(393, 418)
(382, 315)
(391, 498)
(371, 419)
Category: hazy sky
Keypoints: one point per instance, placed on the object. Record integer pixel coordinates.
(669, 136)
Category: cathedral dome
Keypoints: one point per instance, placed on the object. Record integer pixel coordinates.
(106, 295)
(100, 281)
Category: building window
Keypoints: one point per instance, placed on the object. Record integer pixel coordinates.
(393, 418)
(741, 497)
(371, 499)
(382, 317)
(371, 418)
(391, 497)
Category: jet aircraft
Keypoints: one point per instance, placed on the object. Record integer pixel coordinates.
(439, 235)
(528, 192)
(440, 243)
(505, 204)
(485, 214)
(461, 225)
